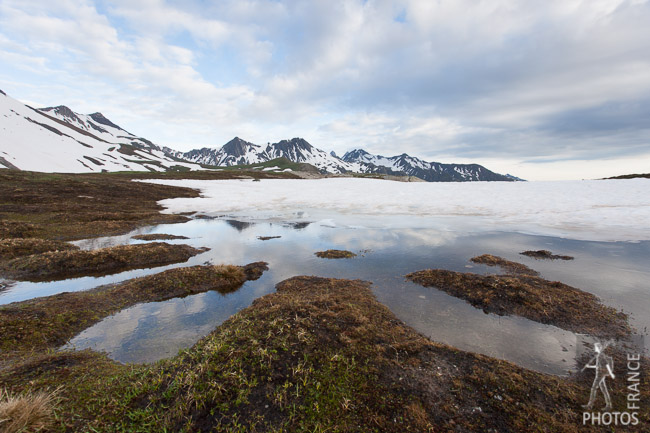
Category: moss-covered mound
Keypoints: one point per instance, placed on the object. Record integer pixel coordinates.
(507, 265)
(157, 237)
(51, 321)
(545, 254)
(74, 263)
(527, 295)
(18, 247)
(319, 355)
(16, 229)
(335, 254)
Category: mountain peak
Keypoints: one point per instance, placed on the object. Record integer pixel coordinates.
(61, 110)
(355, 155)
(237, 147)
(100, 118)
(294, 146)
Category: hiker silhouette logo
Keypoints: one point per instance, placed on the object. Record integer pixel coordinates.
(603, 365)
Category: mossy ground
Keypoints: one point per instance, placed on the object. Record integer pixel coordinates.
(318, 355)
(523, 293)
(335, 254)
(69, 263)
(545, 254)
(507, 265)
(79, 206)
(48, 322)
(19, 247)
(157, 237)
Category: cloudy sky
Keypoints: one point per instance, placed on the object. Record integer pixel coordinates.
(554, 89)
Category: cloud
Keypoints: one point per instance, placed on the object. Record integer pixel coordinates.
(558, 80)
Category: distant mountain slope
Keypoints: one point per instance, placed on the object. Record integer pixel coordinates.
(235, 152)
(299, 150)
(56, 139)
(364, 162)
(631, 176)
(241, 152)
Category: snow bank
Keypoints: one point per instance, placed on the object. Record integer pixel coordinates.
(607, 210)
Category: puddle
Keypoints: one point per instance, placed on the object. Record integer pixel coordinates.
(616, 272)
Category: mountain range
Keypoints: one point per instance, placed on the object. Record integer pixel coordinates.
(57, 139)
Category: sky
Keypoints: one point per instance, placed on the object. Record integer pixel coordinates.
(544, 90)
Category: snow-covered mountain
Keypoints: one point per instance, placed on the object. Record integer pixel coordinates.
(299, 150)
(364, 162)
(235, 152)
(238, 151)
(56, 139)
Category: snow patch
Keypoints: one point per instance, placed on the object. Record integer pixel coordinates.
(605, 210)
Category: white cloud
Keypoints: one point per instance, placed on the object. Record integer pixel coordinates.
(458, 79)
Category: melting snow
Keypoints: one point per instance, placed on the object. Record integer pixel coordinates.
(607, 210)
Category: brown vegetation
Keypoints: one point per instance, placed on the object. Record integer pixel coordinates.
(545, 254)
(80, 206)
(157, 237)
(26, 413)
(335, 254)
(507, 265)
(319, 355)
(49, 322)
(17, 247)
(73, 263)
(526, 295)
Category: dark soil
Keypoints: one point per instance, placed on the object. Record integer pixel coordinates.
(319, 355)
(59, 265)
(530, 296)
(266, 238)
(48, 322)
(157, 237)
(545, 254)
(335, 254)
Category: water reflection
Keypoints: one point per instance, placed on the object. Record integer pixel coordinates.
(614, 271)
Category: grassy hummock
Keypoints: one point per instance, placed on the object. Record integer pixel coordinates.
(157, 237)
(335, 254)
(268, 238)
(318, 355)
(18, 247)
(545, 254)
(507, 265)
(525, 294)
(48, 322)
(57, 265)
